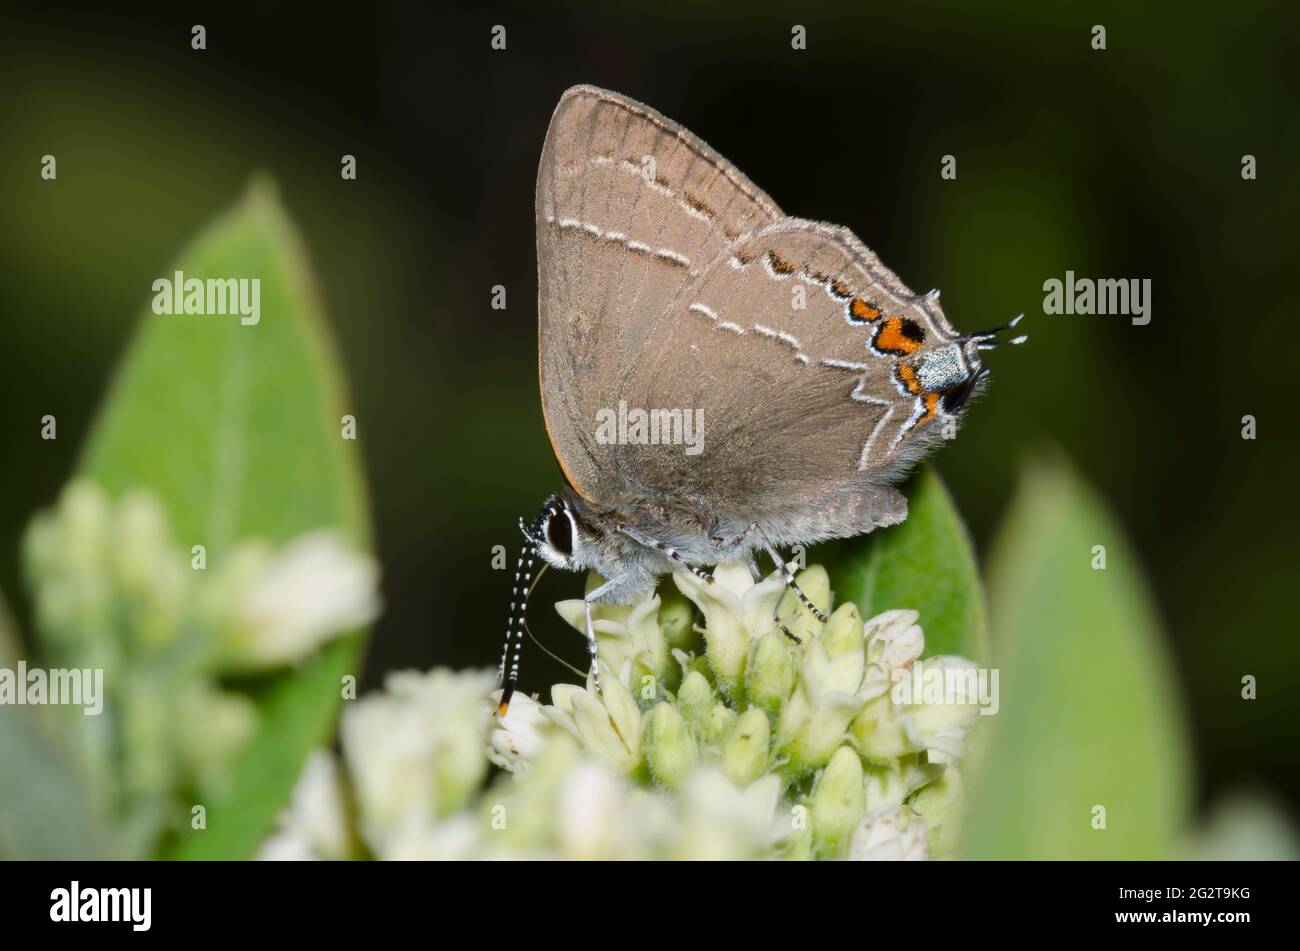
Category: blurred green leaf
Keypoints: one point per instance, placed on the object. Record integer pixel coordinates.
(926, 564)
(237, 428)
(43, 812)
(1088, 714)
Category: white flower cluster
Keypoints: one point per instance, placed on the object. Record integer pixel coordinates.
(742, 738)
(113, 590)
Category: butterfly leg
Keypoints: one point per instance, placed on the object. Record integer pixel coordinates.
(725, 543)
(663, 549)
(792, 584)
(591, 646)
(592, 597)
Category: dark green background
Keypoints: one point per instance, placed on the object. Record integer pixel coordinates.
(1123, 164)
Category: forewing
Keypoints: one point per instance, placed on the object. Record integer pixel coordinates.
(630, 208)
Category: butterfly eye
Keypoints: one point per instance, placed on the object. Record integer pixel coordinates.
(559, 533)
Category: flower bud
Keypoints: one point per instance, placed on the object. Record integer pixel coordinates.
(769, 675)
(676, 619)
(940, 805)
(745, 750)
(837, 802)
(726, 641)
(843, 633)
(879, 731)
(668, 746)
(717, 725)
(218, 724)
(69, 569)
(149, 571)
(816, 585)
(815, 721)
(148, 768)
(695, 699)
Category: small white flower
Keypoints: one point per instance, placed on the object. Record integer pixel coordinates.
(736, 611)
(720, 821)
(621, 633)
(518, 736)
(451, 838)
(814, 722)
(594, 821)
(886, 835)
(315, 824)
(941, 727)
(894, 642)
(415, 752)
(290, 603)
(606, 723)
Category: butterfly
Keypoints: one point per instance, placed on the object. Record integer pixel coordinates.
(809, 377)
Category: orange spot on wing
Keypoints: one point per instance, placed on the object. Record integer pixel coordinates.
(861, 310)
(907, 376)
(891, 337)
(931, 401)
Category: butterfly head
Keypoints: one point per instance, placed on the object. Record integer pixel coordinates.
(560, 535)
(954, 370)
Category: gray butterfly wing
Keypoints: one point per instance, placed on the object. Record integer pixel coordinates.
(630, 208)
(810, 362)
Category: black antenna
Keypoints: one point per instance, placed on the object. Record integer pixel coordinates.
(509, 676)
(984, 338)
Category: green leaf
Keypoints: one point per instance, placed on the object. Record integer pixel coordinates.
(237, 428)
(43, 809)
(1088, 716)
(926, 564)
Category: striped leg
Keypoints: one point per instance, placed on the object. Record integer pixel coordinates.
(791, 584)
(735, 540)
(592, 597)
(591, 646)
(663, 549)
